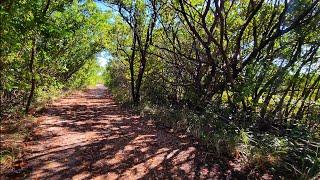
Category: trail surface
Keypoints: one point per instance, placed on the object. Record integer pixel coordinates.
(88, 136)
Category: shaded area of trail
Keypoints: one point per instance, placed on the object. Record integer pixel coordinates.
(88, 136)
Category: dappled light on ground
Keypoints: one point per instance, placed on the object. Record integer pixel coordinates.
(87, 135)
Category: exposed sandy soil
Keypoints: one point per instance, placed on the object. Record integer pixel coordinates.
(88, 136)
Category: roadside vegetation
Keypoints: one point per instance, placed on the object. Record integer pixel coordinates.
(48, 49)
(242, 76)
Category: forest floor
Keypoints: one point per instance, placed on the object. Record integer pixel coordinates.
(88, 136)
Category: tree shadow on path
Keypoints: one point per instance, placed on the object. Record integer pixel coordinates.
(88, 136)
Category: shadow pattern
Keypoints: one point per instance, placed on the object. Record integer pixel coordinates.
(88, 136)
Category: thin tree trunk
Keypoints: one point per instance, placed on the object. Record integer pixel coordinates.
(131, 62)
(33, 80)
(140, 76)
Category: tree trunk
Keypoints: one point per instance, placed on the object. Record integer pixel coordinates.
(139, 79)
(33, 80)
(131, 62)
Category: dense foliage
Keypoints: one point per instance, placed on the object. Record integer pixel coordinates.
(45, 46)
(245, 72)
(242, 76)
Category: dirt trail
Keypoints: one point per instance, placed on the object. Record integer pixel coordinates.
(88, 136)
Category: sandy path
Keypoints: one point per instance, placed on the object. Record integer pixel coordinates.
(87, 136)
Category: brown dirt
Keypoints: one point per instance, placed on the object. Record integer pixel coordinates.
(88, 136)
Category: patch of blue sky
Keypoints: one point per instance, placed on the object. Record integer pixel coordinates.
(103, 58)
(102, 5)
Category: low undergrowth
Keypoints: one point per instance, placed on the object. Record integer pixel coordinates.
(13, 133)
(16, 127)
(283, 151)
